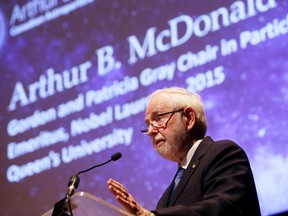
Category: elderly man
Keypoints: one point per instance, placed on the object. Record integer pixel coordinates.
(213, 177)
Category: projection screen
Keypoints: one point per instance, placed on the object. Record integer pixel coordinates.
(76, 76)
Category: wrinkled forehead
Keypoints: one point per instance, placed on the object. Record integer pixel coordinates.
(158, 103)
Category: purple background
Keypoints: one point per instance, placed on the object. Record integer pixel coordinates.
(249, 106)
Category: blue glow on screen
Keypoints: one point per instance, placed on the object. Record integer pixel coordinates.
(75, 76)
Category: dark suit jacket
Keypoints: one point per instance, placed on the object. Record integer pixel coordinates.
(218, 181)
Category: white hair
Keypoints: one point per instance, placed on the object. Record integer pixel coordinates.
(181, 98)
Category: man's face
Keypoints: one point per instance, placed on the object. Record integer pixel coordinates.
(170, 140)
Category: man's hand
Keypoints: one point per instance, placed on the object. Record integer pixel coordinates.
(126, 199)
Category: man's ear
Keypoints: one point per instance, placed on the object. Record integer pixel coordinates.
(190, 117)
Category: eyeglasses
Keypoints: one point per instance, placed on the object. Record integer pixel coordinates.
(159, 123)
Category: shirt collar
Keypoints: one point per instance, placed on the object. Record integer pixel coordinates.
(185, 162)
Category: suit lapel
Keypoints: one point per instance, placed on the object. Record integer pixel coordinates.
(164, 202)
(193, 164)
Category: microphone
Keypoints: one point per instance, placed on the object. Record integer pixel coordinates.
(114, 157)
(74, 181)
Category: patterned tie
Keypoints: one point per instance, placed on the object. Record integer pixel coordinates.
(178, 177)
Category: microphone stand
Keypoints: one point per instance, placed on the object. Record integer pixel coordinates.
(63, 206)
(73, 183)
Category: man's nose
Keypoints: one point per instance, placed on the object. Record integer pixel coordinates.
(151, 130)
